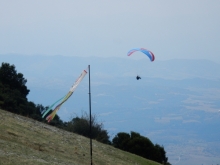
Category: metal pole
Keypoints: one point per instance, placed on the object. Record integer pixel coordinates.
(90, 114)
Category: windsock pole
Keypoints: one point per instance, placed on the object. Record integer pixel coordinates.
(90, 114)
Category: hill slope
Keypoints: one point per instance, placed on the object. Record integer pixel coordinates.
(29, 142)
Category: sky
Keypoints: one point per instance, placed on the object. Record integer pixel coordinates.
(171, 29)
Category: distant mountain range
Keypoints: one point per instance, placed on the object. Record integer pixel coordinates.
(175, 104)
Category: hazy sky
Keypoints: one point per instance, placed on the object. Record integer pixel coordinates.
(171, 29)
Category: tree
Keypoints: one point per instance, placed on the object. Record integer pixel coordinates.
(14, 80)
(140, 145)
(160, 154)
(81, 126)
(121, 141)
(13, 91)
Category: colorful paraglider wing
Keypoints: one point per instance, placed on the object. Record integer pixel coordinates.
(143, 50)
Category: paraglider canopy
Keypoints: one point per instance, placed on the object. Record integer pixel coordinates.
(143, 50)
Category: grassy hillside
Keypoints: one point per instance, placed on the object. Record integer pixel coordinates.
(29, 142)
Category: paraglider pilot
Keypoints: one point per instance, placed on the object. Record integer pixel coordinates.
(138, 77)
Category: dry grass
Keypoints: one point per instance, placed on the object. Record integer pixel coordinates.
(29, 142)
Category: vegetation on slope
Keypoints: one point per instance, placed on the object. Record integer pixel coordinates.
(27, 141)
